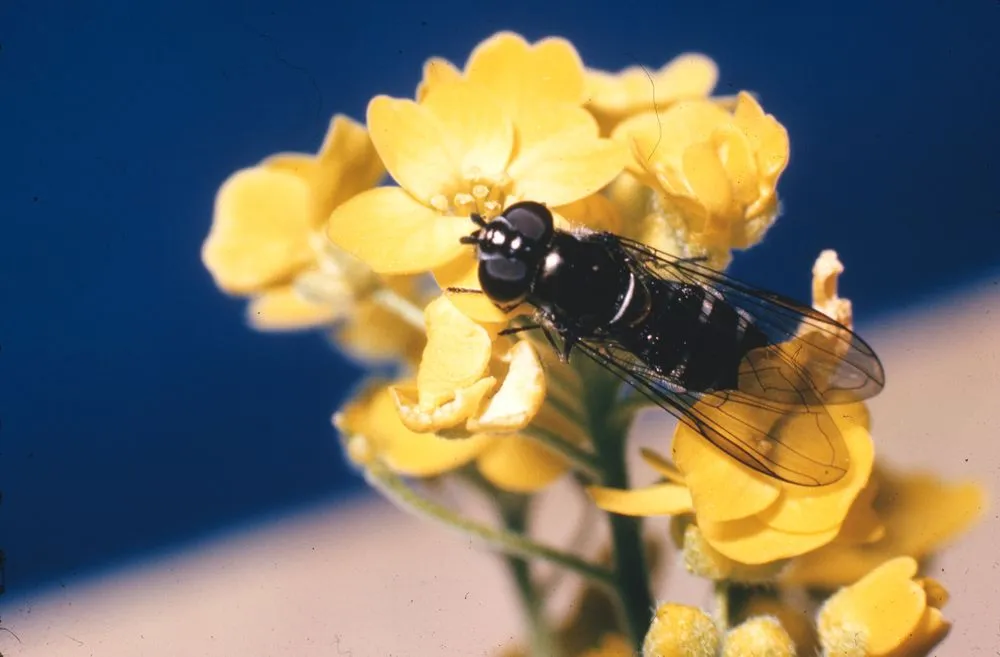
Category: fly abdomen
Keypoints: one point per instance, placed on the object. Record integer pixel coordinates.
(693, 337)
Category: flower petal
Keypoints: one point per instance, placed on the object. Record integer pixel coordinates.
(437, 71)
(348, 165)
(457, 354)
(519, 464)
(920, 514)
(520, 395)
(394, 234)
(283, 309)
(886, 606)
(655, 500)
(596, 212)
(374, 333)
(374, 416)
(415, 146)
(690, 75)
(445, 415)
(751, 541)
(722, 488)
(536, 122)
(812, 509)
(768, 138)
(520, 73)
(260, 230)
(480, 133)
(565, 168)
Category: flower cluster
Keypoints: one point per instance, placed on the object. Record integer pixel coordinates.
(476, 396)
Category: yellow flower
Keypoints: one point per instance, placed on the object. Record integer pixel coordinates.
(372, 429)
(745, 515)
(465, 149)
(467, 377)
(612, 97)
(701, 559)
(885, 613)
(681, 630)
(266, 242)
(715, 172)
(473, 399)
(905, 515)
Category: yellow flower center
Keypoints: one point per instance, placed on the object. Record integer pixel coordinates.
(477, 192)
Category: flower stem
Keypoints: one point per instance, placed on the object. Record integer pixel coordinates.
(629, 559)
(610, 431)
(539, 633)
(396, 490)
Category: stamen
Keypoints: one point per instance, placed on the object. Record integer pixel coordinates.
(439, 202)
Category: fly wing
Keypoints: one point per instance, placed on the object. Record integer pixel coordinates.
(810, 357)
(798, 443)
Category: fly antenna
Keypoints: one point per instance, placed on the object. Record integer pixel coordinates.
(478, 219)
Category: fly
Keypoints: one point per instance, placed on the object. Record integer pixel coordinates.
(752, 371)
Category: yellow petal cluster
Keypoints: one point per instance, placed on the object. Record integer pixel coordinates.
(898, 514)
(887, 613)
(714, 172)
(612, 97)
(266, 242)
(510, 128)
(373, 429)
(744, 515)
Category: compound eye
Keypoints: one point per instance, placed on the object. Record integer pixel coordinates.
(532, 220)
(504, 280)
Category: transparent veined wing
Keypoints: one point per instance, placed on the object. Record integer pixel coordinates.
(810, 356)
(798, 443)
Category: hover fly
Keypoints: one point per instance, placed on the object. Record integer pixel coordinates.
(751, 371)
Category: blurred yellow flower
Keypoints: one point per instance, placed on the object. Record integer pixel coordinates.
(266, 242)
(886, 613)
(372, 429)
(916, 514)
(466, 149)
(611, 645)
(612, 97)
(681, 630)
(715, 172)
(793, 620)
(761, 636)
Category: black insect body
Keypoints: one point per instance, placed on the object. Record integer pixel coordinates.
(751, 371)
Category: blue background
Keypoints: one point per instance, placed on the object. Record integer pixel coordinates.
(138, 410)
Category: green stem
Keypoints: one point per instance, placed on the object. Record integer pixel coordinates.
(629, 559)
(540, 636)
(635, 599)
(396, 490)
